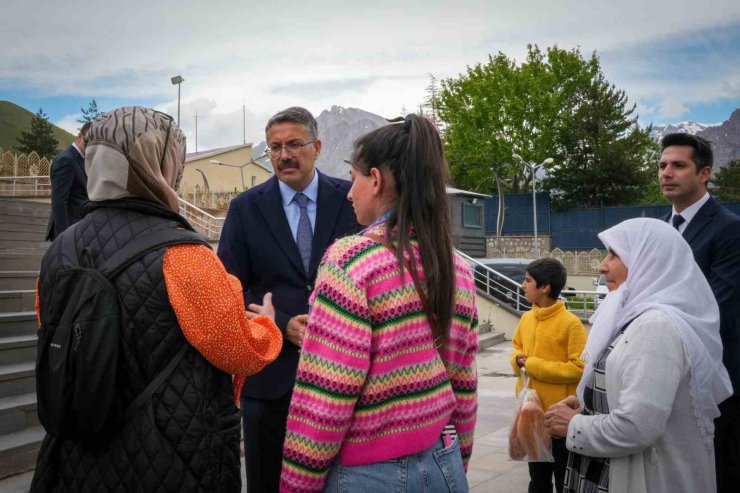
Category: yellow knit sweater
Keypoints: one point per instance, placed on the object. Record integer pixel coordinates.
(553, 339)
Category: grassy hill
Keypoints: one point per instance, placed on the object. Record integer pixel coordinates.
(14, 120)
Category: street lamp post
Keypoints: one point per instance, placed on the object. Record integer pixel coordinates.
(176, 81)
(240, 166)
(533, 167)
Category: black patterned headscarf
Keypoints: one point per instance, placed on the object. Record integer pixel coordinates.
(135, 152)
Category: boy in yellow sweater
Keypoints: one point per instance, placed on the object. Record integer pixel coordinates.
(548, 344)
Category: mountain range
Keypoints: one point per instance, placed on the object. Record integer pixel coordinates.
(725, 137)
(339, 127)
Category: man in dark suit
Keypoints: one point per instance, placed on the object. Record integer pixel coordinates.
(273, 239)
(714, 235)
(68, 186)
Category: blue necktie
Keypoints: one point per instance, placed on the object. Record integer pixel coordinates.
(678, 220)
(304, 237)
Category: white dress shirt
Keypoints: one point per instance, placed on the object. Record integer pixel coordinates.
(291, 208)
(689, 212)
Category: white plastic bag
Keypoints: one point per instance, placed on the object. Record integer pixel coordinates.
(529, 440)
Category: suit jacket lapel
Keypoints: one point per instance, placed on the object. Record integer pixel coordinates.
(703, 217)
(328, 207)
(270, 204)
(81, 162)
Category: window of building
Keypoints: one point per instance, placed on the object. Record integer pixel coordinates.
(472, 215)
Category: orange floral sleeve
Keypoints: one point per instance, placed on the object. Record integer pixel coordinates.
(209, 306)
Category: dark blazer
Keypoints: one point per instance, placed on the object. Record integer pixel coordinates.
(257, 247)
(714, 236)
(68, 191)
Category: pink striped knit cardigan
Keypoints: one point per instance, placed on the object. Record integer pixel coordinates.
(370, 385)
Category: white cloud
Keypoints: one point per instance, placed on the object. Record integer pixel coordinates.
(672, 108)
(645, 109)
(373, 55)
(69, 123)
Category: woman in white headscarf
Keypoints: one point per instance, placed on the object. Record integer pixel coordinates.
(643, 419)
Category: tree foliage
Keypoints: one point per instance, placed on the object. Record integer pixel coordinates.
(652, 194)
(39, 138)
(727, 182)
(556, 104)
(90, 113)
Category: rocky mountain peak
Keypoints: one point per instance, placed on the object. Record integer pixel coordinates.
(725, 137)
(338, 129)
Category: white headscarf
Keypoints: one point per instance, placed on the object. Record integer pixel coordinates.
(662, 275)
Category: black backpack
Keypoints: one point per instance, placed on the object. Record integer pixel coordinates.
(77, 359)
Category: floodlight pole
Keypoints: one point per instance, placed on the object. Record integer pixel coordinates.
(177, 80)
(533, 167)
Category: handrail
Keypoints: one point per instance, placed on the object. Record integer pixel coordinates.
(24, 186)
(29, 177)
(201, 220)
(506, 290)
(198, 209)
(496, 284)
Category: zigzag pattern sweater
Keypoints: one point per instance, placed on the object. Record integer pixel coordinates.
(370, 385)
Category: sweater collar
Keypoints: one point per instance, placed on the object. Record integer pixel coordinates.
(548, 312)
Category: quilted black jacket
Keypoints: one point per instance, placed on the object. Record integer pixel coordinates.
(187, 438)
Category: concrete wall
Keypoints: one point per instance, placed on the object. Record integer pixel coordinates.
(516, 243)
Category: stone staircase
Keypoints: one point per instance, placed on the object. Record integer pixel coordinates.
(488, 337)
(22, 232)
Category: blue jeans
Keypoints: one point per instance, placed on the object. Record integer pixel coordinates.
(436, 469)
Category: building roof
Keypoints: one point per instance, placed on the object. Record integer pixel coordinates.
(192, 156)
(457, 191)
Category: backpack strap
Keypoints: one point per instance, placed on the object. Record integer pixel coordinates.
(136, 249)
(149, 390)
(130, 253)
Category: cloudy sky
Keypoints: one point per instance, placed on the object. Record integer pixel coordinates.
(678, 60)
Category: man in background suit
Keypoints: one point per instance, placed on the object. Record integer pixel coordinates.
(273, 239)
(714, 235)
(68, 186)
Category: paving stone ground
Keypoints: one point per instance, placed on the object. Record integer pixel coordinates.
(490, 469)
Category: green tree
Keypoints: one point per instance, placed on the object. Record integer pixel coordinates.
(39, 138)
(556, 104)
(430, 101)
(652, 194)
(727, 182)
(479, 110)
(90, 113)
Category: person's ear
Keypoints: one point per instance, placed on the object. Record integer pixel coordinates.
(317, 148)
(705, 174)
(378, 181)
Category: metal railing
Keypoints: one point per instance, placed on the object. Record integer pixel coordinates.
(202, 221)
(25, 186)
(508, 292)
(40, 186)
(493, 283)
(582, 303)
